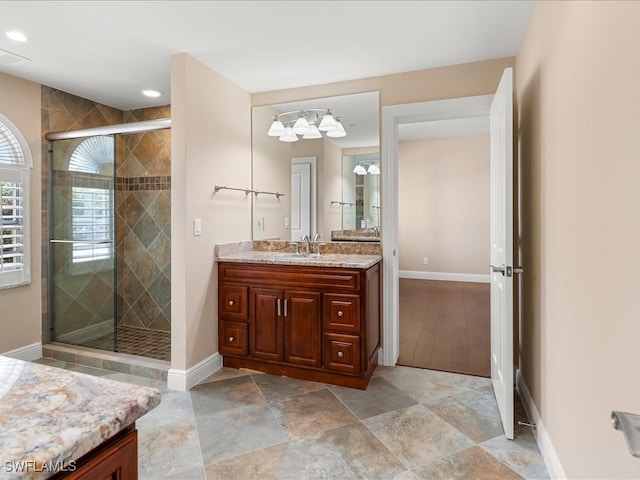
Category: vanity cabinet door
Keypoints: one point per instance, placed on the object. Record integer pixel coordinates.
(233, 338)
(266, 323)
(302, 328)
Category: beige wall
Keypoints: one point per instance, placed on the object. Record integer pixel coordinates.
(578, 88)
(271, 173)
(443, 204)
(210, 144)
(477, 78)
(20, 308)
(330, 189)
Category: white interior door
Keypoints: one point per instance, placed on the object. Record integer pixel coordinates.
(300, 200)
(502, 249)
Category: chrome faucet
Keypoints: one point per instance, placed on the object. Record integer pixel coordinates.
(316, 237)
(307, 244)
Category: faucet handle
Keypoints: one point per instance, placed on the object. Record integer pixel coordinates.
(320, 244)
(297, 245)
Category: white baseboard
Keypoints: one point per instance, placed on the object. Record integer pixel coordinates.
(543, 439)
(185, 379)
(27, 353)
(81, 335)
(446, 277)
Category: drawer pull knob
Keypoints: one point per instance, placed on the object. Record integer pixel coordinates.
(231, 339)
(231, 302)
(340, 313)
(340, 354)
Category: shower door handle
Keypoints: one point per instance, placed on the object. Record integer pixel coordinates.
(83, 242)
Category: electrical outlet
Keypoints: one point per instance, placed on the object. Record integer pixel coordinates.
(260, 224)
(425, 260)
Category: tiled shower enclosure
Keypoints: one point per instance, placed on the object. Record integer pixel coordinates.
(114, 192)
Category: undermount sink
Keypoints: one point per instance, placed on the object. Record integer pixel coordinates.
(300, 256)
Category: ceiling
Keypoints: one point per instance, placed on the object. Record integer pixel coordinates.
(108, 51)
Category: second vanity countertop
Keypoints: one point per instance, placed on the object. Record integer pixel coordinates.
(50, 415)
(339, 260)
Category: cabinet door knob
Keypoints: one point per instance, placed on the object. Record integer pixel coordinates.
(340, 354)
(231, 302)
(340, 313)
(232, 338)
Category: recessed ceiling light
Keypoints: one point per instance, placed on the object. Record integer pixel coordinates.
(17, 36)
(151, 93)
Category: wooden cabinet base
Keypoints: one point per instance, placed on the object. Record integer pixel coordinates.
(303, 373)
(116, 459)
(314, 323)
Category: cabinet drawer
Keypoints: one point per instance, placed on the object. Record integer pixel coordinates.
(233, 302)
(233, 338)
(342, 353)
(342, 313)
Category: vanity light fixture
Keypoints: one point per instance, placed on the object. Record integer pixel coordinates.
(309, 123)
(17, 36)
(151, 93)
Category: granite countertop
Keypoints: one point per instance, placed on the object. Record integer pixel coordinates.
(50, 416)
(288, 258)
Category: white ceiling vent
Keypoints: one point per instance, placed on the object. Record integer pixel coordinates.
(7, 57)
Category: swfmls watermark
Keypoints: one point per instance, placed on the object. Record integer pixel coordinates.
(33, 466)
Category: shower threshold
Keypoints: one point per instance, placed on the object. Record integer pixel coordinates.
(114, 361)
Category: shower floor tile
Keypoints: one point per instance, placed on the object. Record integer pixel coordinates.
(144, 342)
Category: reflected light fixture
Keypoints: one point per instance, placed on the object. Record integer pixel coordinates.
(373, 169)
(309, 123)
(359, 170)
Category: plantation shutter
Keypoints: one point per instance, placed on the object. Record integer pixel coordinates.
(14, 195)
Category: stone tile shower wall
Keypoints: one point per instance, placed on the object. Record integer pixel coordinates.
(144, 225)
(142, 191)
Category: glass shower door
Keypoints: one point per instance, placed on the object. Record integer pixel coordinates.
(82, 267)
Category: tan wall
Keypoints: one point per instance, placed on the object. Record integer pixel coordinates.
(271, 173)
(477, 78)
(210, 144)
(578, 88)
(20, 317)
(330, 189)
(443, 204)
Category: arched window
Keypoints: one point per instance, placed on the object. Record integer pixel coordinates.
(92, 219)
(15, 165)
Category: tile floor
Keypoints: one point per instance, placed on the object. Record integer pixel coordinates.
(409, 424)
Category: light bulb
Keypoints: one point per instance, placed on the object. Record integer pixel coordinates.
(276, 129)
(301, 126)
(337, 132)
(373, 169)
(359, 170)
(312, 133)
(288, 136)
(327, 123)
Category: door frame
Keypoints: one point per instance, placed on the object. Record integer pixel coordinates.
(392, 117)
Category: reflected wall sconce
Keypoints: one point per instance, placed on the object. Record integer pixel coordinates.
(360, 170)
(308, 123)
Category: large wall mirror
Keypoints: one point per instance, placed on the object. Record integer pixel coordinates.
(322, 155)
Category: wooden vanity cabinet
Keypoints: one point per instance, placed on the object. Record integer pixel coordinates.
(315, 323)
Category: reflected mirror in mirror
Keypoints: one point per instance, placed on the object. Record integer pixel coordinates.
(360, 195)
(297, 151)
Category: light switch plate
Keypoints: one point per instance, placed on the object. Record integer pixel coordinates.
(197, 227)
